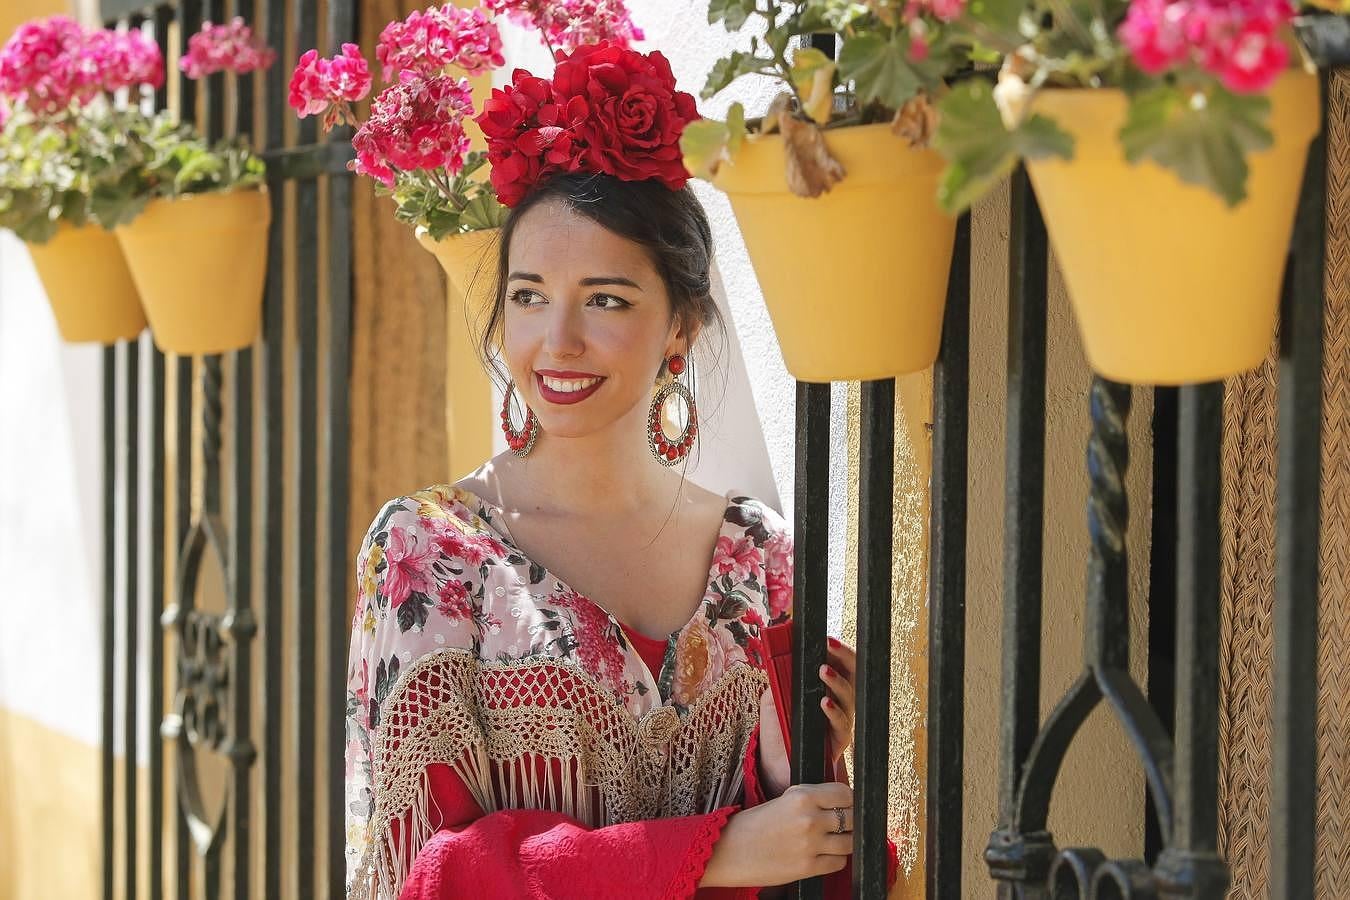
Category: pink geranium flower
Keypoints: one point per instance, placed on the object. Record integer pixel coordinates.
(50, 63)
(1239, 42)
(330, 86)
(225, 48)
(429, 42)
(570, 24)
(415, 124)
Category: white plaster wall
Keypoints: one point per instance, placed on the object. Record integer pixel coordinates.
(51, 502)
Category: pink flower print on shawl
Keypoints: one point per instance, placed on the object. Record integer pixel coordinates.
(736, 557)
(454, 601)
(778, 574)
(597, 637)
(409, 566)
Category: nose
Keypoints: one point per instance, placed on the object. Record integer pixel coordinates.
(563, 336)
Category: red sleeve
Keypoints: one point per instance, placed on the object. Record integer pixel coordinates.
(528, 853)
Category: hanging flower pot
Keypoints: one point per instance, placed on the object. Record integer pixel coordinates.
(856, 279)
(470, 263)
(199, 262)
(1169, 284)
(88, 285)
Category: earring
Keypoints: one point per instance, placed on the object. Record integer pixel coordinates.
(521, 442)
(666, 451)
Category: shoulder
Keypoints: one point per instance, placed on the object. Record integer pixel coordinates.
(436, 509)
(768, 531)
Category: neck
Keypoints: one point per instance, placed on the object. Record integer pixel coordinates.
(606, 473)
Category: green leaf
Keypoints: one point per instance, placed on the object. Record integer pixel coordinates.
(731, 13)
(729, 68)
(813, 78)
(980, 151)
(704, 144)
(880, 69)
(735, 129)
(1204, 137)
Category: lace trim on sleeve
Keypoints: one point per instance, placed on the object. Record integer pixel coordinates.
(700, 851)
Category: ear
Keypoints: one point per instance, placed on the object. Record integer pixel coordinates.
(683, 337)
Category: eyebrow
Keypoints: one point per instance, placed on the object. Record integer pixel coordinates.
(585, 282)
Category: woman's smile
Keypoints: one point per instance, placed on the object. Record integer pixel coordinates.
(566, 387)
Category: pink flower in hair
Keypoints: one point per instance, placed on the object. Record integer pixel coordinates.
(225, 48)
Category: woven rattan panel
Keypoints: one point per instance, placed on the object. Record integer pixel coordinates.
(1248, 579)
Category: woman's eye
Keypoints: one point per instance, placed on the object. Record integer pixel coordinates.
(609, 301)
(523, 297)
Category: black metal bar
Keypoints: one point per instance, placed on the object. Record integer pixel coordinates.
(1107, 620)
(161, 20)
(106, 764)
(306, 645)
(876, 465)
(130, 388)
(1024, 494)
(239, 624)
(214, 88)
(272, 462)
(189, 14)
(342, 26)
(810, 599)
(1297, 570)
(947, 584)
(1191, 867)
(1162, 585)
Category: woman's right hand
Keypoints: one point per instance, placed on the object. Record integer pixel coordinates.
(785, 839)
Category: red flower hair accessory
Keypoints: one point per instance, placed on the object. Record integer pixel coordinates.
(608, 109)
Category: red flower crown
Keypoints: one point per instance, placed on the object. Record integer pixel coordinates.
(607, 109)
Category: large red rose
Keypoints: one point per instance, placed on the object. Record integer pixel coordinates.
(634, 113)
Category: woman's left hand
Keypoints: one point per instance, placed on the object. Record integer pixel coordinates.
(839, 673)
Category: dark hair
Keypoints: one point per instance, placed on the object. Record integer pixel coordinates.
(670, 225)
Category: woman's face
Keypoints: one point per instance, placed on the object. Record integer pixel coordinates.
(587, 321)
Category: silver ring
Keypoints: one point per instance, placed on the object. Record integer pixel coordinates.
(839, 818)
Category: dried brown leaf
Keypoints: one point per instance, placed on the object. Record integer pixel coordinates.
(916, 121)
(811, 170)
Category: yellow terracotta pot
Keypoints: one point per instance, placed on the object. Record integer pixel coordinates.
(200, 262)
(88, 285)
(855, 280)
(1170, 285)
(470, 264)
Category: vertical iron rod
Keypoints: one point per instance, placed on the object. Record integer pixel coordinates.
(305, 658)
(272, 494)
(1191, 867)
(810, 599)
(106, 762)
(342, 27)
(189, 14)
(130, 388)
(1298, 527)
(162, 19)
(947, 584)
(876, 465)
(1162, 586)
(1023, 495)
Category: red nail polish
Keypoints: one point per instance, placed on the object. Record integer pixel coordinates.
(834, 642)
(830, 672)
(829, 703)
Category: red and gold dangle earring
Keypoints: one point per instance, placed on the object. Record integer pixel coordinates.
(521, 442)
(667, 451)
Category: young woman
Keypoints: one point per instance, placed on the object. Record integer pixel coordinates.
(568, 668)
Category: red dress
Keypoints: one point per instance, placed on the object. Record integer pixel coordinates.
(467, 827)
